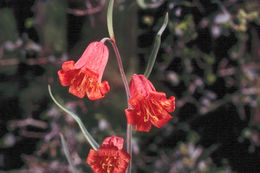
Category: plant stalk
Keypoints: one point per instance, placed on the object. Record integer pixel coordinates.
(123, 76)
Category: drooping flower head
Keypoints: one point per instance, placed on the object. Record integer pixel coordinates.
(85, 76)
(148, 107)
(110, 157)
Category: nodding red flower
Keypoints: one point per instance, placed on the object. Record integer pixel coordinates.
(147, 105)
(85, 76)
(110, 157)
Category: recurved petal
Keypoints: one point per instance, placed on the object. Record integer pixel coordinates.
(65, 77)
(104, 87)
(160, 97)
(67, 73)
(168, 104)
(68, 65)
(162, 119)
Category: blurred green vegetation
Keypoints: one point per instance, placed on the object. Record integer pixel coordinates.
(209, 60)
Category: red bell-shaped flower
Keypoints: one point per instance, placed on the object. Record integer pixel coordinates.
(85, 76)
(147, 105)
(110, 157)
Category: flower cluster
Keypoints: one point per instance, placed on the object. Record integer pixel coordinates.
(147, 106)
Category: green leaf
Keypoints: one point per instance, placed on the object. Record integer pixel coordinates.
(110, 19)
(156, 47)
(87, 135)
(67, 153)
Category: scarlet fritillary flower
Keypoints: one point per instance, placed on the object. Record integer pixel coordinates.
(110, 157)
(148, 107)
(85, 76)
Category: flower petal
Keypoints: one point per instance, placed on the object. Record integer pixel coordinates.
(68, 65)
(143, 126)
(67, 73)
(162, 119)
(113, 141)
(134, 101)
(65, 77)
(104, 87)
(95, 58)
(168, 104)
(140, 85)
(131, 116)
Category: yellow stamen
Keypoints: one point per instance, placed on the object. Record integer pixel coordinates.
(149, 110)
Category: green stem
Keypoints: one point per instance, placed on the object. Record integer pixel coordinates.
(110, 19)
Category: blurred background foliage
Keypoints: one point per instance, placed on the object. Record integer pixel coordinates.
(209, 59)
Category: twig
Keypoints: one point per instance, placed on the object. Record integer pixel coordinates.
(87, 11)
(27, 122)
(31, 134)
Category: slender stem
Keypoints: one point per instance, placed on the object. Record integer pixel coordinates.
(104, 39)
(121, 69)
(129, 146)
(123, 76)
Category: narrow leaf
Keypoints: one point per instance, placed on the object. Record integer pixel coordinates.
(87, 135)
(67, 153)
(156, 47)
(110, 19)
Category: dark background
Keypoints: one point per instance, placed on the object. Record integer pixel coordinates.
(209, 60)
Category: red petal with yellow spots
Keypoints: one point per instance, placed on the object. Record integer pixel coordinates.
(148, 107)
(84, 77)
(109, 158)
